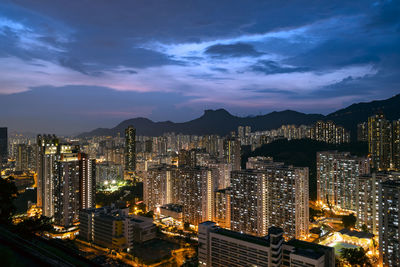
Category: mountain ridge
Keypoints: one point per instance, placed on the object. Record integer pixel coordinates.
(221, 122)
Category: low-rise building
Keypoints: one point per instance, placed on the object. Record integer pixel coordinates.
(301, 253)
(114, 228)
(222, 247)
(139, 229)
(174, 211)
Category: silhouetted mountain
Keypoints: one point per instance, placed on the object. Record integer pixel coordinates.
(218, 121)
(221, 122)
(356, 113)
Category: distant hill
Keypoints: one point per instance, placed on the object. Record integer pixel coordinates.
(355, 113)
(218, 121)
(302, 153)
(221, 122)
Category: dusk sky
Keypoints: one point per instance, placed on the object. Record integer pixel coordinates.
(71, 66)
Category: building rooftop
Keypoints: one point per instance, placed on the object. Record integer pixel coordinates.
(357, 234)
(172, 207)
(263, 241)
(308, 249)
(308, 253)
(275, 230)
(208, 223)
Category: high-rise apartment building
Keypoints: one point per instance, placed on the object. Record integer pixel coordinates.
(107, 171)
(389, 223)
(362, 132)
(261, 163)
(130, 149)
(272, 196)
(221, 247)
(329, 132)
(189, 158)
(87, 181)
(196, 192)
(231, 148)
(3, 145)
(192, 188)
(337, 174)
(47, 155)
(247, 131)
(221, 174)
(66, 190)
(244, 134)
(66, 180)
(396, 144)
(160, 186)
(222, 208)
(368, 199)
(213, 145)
(24, 159)
(379, 141)
(241, 132)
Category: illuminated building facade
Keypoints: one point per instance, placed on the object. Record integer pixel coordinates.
(337, 174)
(231, 148)
(130, 149)
(221, 247)
(192, 188)
(222, 208)
(389, 224)
(196, 193)
(66, 191)
(275, 196)
(329, 132)
(108, 171)
(379, 141)
(160, 186)
(66, 180)
(367, 210)
(87, 181)
(114, 228)
(47, 155)
(396, 145)
(221, 174)
(362, 132)
(24, 158)
(261, 163)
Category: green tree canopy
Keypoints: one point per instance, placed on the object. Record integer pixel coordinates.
(355, 256)
(349, 220)
(33, 225)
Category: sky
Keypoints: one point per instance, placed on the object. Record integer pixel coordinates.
(72, 66)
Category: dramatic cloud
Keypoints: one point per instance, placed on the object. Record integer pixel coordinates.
(249, 57)
(232, 50)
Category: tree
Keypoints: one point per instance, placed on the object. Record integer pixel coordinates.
(33, 225)
(355, 256)
(142, 206)
(8, 192)
(364, 228)
(149, 214)
(349, 221)
(315, 213)
(338, 262)
(186, 226)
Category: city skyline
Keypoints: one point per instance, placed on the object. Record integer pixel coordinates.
(96, 64)
(200, 133)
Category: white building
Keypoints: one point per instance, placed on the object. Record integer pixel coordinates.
(219, 247)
